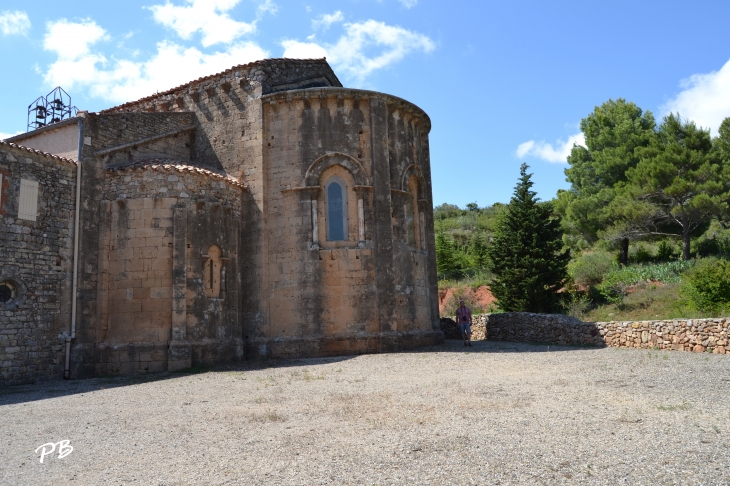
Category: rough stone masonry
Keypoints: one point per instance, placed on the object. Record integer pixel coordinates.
(698, 335)
(262, 211)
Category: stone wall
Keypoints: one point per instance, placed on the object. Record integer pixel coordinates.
(699, 335)
(159, 215)
(37, 259)
(227, 173)
(478, 328)
(257, 124)
(375, 283)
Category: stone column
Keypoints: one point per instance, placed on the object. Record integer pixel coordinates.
(180, 355)
(382, 227)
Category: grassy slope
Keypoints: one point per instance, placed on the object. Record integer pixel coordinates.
(646, 303)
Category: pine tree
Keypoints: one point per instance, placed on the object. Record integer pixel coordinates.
(527, 255)
(447, 264)
(478, 250)
(683, 177)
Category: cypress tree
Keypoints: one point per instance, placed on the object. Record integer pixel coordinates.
(447, 264)
(526, 253)
(478, 250)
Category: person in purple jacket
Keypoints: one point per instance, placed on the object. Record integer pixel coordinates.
(463, 318)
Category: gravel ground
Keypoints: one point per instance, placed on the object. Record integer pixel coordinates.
(497, 413)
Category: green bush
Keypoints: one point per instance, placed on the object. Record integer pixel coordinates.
(642, 255)
(708, 285)
(666, 252)
(589, 269)
(619, 279)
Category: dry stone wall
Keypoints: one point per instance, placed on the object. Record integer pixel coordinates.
(478, 328)
(37, 260)
(698, 335)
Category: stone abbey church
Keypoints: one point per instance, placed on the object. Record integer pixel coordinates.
(264, 211)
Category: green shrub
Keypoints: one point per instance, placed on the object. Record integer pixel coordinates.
(642, 255)
(708, 285)
(589, 269)
(619, 279)
(666, 252)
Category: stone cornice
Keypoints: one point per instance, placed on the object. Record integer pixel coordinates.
(394, 103)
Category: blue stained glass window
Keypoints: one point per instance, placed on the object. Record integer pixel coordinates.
(335, 212)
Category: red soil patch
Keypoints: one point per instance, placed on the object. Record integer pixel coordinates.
(482, 295)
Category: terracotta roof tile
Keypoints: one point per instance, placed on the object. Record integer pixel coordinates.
(169, 165)
(38, 152)
(206, 78)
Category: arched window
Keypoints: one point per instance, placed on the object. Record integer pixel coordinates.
(212, 273)
(336, 204)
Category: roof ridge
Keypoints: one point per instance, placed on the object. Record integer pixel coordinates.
(39, 152)
(205, 78)
(168, 164)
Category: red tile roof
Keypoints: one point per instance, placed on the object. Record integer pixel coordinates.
(38, 152)
(169, 165)
(206, 78)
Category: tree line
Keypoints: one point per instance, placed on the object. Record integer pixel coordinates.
(633, 180)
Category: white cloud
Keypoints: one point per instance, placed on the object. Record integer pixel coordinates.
(409, 3)
(545, 151)
(303, 50)
(3, 136)
(72, 40)
(16, 22)
(267, 6)
(365, 47)
(324, 21)
(120, 80)
(705, 98)
(209, 17)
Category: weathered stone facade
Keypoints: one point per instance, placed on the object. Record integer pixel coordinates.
(36, 258)
(206, 222)
(698, 335)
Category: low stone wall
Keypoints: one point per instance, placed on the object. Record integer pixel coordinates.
(699, 335)
(478, 328)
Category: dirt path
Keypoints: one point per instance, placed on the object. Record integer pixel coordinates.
(497, 413)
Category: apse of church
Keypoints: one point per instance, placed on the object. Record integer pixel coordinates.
(265, 211)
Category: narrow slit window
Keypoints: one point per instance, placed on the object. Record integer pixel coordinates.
(212, 271)
(336, 210)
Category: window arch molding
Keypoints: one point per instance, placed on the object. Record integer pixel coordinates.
(316, 170)
(410, 171)
(337, 181)
(414, 184)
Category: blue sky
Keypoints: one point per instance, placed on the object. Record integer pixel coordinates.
(503, 82)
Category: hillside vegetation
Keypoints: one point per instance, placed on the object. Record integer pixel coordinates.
(646, 220)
